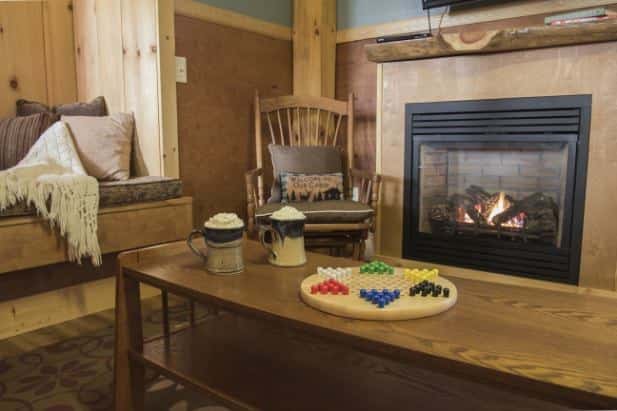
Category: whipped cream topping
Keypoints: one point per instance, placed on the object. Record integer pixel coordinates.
(224, 221)
(288, 213)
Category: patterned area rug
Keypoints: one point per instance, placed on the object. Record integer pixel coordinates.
(76, 374)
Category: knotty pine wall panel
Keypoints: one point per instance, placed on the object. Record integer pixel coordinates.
(124, 52)
(215, 119)
(36, 53)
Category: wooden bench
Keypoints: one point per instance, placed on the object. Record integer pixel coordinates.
(39, 287)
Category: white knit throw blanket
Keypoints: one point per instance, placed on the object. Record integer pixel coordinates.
(52, 178)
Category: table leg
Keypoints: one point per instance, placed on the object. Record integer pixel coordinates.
(129, 382)
(165, 312)
(355, 250)
(362, 249)
(192, 312)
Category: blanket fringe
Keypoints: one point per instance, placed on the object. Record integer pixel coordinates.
(69, 202)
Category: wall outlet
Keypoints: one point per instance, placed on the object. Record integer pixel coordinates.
(181, 76)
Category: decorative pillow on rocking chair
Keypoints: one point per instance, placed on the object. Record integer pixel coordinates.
(311, 187)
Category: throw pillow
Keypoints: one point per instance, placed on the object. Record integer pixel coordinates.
(96, 107)
(18, 134)
(104, 144)
(27, 108)
(302, 160)
(311, 187)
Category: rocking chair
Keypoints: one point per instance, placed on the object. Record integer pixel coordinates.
(297, 121)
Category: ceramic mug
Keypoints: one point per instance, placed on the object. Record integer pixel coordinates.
(224, 249)
(286, 242)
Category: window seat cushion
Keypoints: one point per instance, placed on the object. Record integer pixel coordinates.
(115, 193)
(321, 212)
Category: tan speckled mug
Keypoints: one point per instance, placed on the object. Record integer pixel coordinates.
(284, 239)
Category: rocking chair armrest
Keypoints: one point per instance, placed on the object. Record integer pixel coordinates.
(254, 195)
(251, 175)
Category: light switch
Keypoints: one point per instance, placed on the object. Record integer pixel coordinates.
(181, 76)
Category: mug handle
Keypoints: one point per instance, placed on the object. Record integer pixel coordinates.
(189, 242)
(264, 243)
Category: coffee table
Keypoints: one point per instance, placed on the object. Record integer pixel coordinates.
(502, 346)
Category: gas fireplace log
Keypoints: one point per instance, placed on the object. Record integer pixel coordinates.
(536, 207)
(467, 203)
(479, 195)
(489, 205)
(441, 213)
(543, 223)
(461, 214)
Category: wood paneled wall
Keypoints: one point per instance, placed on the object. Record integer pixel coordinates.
(125, 52)
(355, 74)
(36, 53)
(314, 47)
(216, 138)
(481, 13)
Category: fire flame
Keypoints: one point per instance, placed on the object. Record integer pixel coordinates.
(467, 219)
(518, 221)
(499, 208)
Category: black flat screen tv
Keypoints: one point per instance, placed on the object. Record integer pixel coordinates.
(431, 4)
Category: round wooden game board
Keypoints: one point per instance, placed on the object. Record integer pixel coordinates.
(353, 306)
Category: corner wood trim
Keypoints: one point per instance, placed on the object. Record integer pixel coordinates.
(464, 17)
(378, 157)
(194, 9)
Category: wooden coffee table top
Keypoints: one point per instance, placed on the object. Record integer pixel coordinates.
(554, 343)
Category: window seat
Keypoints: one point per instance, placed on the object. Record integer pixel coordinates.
(114, 193)
(28, 241)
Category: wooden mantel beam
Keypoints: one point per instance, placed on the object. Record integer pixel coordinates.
(493, 41)
(314, 47)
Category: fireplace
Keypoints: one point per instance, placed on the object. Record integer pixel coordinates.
(497, 185)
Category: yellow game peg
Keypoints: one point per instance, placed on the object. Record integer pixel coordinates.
(417, 275)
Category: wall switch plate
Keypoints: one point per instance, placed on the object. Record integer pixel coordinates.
(355, 194)
(181, 76)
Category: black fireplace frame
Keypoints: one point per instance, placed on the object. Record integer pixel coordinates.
(560, 264)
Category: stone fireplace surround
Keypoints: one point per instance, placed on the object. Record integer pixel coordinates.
(585, 69)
